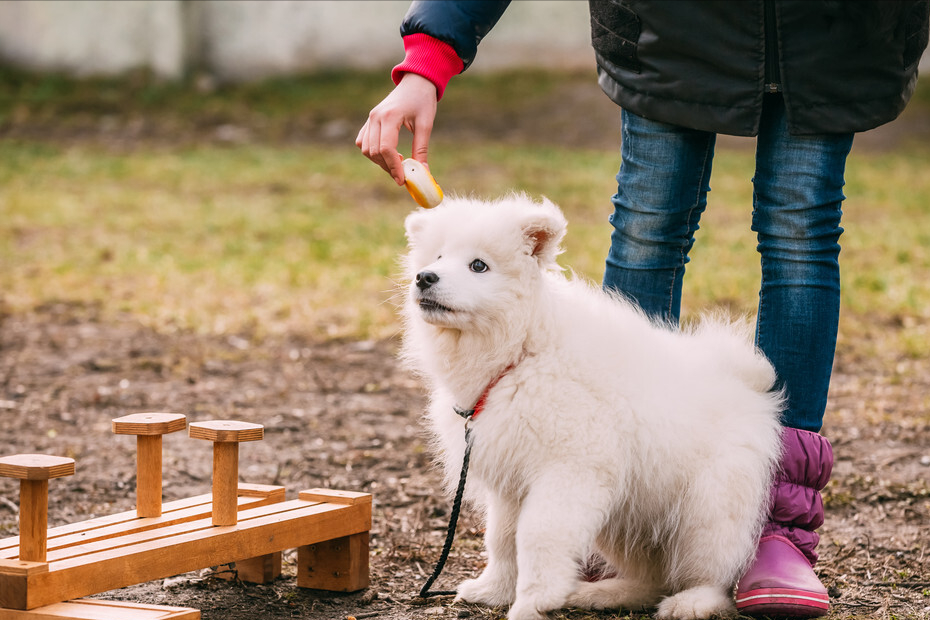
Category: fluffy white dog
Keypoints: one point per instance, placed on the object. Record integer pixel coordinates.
(601, 432)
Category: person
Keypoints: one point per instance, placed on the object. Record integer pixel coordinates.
(802, 77)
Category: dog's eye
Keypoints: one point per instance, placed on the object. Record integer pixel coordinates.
(478, 266)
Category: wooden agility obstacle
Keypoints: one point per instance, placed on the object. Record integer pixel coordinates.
(238, 524)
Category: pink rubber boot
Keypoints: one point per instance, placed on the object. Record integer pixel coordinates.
(781, 582)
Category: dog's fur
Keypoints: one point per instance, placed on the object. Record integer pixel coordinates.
(647, 445)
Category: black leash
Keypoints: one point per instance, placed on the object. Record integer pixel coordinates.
(454, 517)
(469, 415)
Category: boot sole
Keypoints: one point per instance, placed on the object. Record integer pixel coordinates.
(783, 603)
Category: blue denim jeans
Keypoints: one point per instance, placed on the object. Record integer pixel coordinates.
(798, 191)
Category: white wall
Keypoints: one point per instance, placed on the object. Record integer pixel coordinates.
(248, 39)
(92, 36)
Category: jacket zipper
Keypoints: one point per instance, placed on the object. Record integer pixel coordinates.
(772, 73)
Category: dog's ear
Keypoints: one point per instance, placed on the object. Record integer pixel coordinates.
(543, 231)
(414, 225)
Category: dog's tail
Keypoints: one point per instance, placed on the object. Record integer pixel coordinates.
(735, 340)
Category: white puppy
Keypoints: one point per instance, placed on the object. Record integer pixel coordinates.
(602, 432)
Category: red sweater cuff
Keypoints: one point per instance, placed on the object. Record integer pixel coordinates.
(431, 58)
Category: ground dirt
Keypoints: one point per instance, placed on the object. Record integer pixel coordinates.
(345, 415)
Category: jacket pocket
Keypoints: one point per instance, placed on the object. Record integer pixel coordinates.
(615, 31)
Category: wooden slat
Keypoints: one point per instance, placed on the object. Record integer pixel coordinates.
(97, 522)
(335, 497)
(92, 609)
(63, 543)
(273, 492)
(166, 531)
(260, 531)
(180, 511)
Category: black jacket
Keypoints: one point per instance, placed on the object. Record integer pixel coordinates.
(841, 65)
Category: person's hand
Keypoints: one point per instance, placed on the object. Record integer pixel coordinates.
(412, 104)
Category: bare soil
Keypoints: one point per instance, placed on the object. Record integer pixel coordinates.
(346, 415)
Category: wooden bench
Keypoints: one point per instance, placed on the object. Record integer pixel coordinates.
(244, 525)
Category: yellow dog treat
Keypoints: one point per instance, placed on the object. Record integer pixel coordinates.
(421, 184)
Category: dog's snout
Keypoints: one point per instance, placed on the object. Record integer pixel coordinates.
(426, 279)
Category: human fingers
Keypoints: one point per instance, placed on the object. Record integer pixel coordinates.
(378, 140)
(412, 104)
(421, 129)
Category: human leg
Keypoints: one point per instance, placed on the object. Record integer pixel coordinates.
(798, 192)
(662, 191)
(797, 199)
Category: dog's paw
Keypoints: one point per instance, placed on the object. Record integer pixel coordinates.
(613, 593)
(523, 610)
(697, 604)
(490, 592)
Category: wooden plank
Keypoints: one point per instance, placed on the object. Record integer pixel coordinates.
(63, 545)
(183, 553)
(335, 497)
(296, 524)
(154, 534)
(90, 524)
(92, 609)
(180, 511)
(274, 492)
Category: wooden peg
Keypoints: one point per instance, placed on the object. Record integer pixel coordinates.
(34, 472)
(226, 435)
(148, 429)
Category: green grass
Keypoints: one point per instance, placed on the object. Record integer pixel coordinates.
(273, 237)
(214, 240)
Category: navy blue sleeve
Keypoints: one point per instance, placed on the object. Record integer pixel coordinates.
(460, 23)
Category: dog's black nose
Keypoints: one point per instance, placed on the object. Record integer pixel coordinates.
(426, 279)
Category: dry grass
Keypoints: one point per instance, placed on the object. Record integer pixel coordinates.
(265, 239)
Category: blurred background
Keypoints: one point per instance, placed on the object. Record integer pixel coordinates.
(254, 39)
(192, 163)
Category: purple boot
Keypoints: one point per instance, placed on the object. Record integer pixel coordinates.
(781, 581)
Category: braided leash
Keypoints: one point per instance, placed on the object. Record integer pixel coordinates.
(469, 415)
(454, 517)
